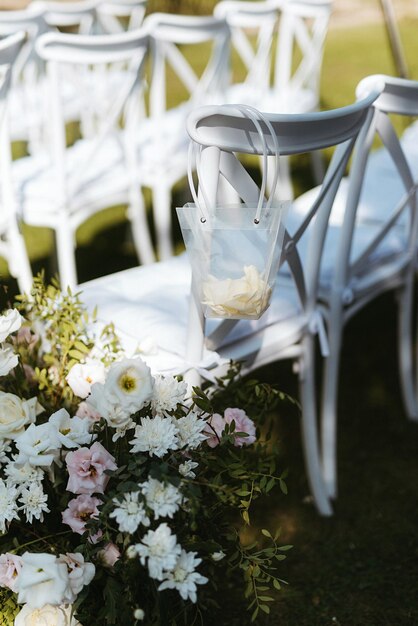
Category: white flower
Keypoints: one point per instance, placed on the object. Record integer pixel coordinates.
(8, 506)
(8, 359)
(80, 574)
(168, 393)
(139, 614)
(155, 435)
(163, 500)
(83, 375)
(247, 296)
(130, 513)
(23, 473)
(186, 469)
(43, 579)
(147, 345)
(115, 415)
(38, 445)
(47, 615)
(190, 431)
(72, 432)
(5, 449)
(183, 577)
(217, 556)
(15, 414)
(161, 549)
(34, 502)
(128, 387)
(9, 323)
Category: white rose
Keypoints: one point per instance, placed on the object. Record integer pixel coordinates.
(9, 323)
(47, 615)
(15, 414)
(8, 360)
(129, 384)
(42, 580)
(83, 375)
(247, 296)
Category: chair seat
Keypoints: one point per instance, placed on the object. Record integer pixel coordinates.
(141, 301)
(102, 183)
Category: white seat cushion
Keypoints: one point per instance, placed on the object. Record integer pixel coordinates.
(151, 303)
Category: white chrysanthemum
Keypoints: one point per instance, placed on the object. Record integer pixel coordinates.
(34, 502)
(71, 432)
(163, 500)
(186, 469)
(159, 550)
(8, 505)
(168, 393)
(5, 449)
(155, 435)
(190, 431)
(23, 473)
(183, 577)
(130, 513)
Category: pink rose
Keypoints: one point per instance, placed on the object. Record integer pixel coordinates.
(86, 469)
(10, 566)
(109, 555)
(80, 510)
(243, 424)
(86, 411)
(214, 429)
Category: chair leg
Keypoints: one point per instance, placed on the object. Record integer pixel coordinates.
(330, 400)
(161, 202)
(19, 263)
(405, 349)
(140, 230)
(310, 429)
(66, 256)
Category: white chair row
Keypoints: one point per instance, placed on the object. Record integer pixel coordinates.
(161, 140)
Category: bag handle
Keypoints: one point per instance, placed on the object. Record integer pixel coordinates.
(256, 117)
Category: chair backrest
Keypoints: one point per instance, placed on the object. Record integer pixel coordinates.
(170, 37)
(116, 16)
(90, 54)
(302, 31)
(396, 213)
(252, 25)
(221, 134)
(79, 15)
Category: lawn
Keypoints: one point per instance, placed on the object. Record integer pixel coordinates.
(359, 568)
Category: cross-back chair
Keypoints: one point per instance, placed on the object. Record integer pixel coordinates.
(116, 16)
(161, 303)
(371, 248)
(163, 141)
(12, 245)
(64, 186)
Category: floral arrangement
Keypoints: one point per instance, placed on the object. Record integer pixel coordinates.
(122, 495)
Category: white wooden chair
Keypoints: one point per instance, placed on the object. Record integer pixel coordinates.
(116, 16)
(371, 248)
(12, 245)
(63, 187)
(150, 305)
(163, 141)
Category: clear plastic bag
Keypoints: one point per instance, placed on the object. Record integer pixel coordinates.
(235, 250)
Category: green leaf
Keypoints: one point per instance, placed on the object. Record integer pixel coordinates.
(266, 533)
(265, 608)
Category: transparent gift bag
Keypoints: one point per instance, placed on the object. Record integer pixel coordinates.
(235, 250)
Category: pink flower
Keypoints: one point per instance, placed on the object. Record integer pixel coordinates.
(86, 469)
(243, 424)
(86, 411)
(80, 510)
(10, 566)
(215, 427)
(109, 555)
